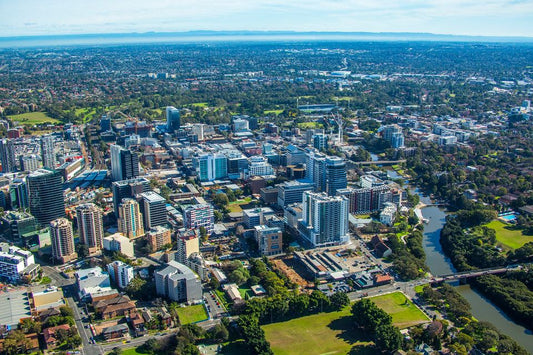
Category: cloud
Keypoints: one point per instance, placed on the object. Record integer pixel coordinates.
(28, 17)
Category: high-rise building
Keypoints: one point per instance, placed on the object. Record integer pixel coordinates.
(335, 175)
(324, 219)
(397, 140)
(105, 123)
(211, 167)
(173, 119)
(130, 221)
(90, 226)
(62, 240)
(292, 191)
(124, 163)
(29, 163)
(120, 273)
(269, 240)
(197, 216)
(178, 283)
(7, 156)
(320, 141)
(47, 152)
(128, 189)
(18, 195)
(158, 237)
(45, 191)
(18, 224)
(259, 166)
(188, 244)
(154, 210)
(118, 242)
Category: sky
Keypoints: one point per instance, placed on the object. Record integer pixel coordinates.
(459, 17)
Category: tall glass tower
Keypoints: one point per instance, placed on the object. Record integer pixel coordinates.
(45, 188)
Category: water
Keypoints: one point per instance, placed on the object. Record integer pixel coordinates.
(482, 309)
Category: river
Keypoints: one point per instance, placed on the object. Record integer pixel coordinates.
(439, 264)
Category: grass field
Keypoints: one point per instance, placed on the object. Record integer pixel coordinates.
(132, 351)
(192, 314)
(200, 104)
(33, 118)
(324, 333)
(275, 112)
(509, 235)
(404, 313)
(234, 208)
(307, 125)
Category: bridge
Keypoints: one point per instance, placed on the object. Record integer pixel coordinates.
(472, 273)
(380, 162)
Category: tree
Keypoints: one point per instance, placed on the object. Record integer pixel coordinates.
(339, 300)
(16, 343)
(28, 325)
(388, 337)
(218, 333)
(221, 200)
(66, 311)
(369, 316)
(238, 277)
(82, 250)
(116, 351)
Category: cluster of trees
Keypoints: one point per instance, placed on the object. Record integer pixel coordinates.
(141, 289)
(181, 343)
(378, 324)
(254, 336)
(467, 332)
(511, 295)
(409, 259)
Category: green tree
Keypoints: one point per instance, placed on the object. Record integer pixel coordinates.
(388, 337)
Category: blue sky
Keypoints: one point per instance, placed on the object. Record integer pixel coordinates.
(468, 17)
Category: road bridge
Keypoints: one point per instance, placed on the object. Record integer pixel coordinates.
(473, 273)
(380, 162)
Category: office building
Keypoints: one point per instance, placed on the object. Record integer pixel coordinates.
(124, 163)
(240, 125)
(62, 240)
(188, 244)
(118, 242)
(197, 216)
(45, 190)
(130, 221)
(7, 156)
(18, 195)
(15, 263)
(335, 175)
(47, 152)
(128, 189)
(178, 283)
(18, 224)
(94, 284)
(173, 119)
(154, 210)
(259, 166)
(211, 167)
(158, 237)
(292, 191)
(269, 240)
(29, 163)
(320, 141)
(256, 216)
(237, 165)
(324, 219)
(397, 140)
(105, 123)
(90, 226)
(120, 273)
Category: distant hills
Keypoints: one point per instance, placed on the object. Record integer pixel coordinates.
(248, 36)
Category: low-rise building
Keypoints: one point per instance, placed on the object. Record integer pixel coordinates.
(15, 263)
(120, 273)
(158, 237)
(118, 242)
(120, 305)
(115, 331)
(49, 335)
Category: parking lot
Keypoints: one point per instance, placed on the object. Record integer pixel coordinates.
(214, 306)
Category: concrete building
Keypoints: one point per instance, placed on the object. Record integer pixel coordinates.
(45, 189)
(118, 242)
(335, 175)
(387, 216)
(120, 273)
(154, 210)
(124, 163)
(324, 219)
(292, 191)
(18, 224)
(47, 152)
(29, 163)
(269, 240)
(62, 240)
(259, 166)
(158, 237)
(130, 221)
(256, 216)
(173, 119)
(90, 226)
(197, 216)
(128, 189)
(7, 156)
(211, 166)
(178, 283)
(188, 244)
(93, 283)
(15, 263)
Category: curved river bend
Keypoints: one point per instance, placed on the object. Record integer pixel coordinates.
(439, 264)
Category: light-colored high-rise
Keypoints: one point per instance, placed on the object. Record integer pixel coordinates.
(62, 240)
(173, 119)
(155, 212)
(90, 226)
(130, 221)
(124, 163)
(120, 273)
(7, 156)
(47, 151)
(188, 244)
(324, 219)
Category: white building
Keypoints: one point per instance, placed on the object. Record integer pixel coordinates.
(93, 281)
(388, 215)
(178, 283)
(14, 261)
(120, 273)
(118, 242)
(259, 166)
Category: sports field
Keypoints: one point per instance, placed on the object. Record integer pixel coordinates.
(33, 118)
(404, 313)
(192, 314)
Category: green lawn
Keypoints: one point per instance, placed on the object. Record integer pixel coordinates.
(275, 112)
(404, 313)
(419, 288)
(200, 104)
(33, 118)
(132, 351)
(245, 291)
(324, 333)
(234, 208)
(307, 125)
(192, 314)
(509, 235)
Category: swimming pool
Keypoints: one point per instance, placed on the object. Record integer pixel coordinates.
(509, 217)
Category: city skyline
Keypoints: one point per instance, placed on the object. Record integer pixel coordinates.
(456, 17)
